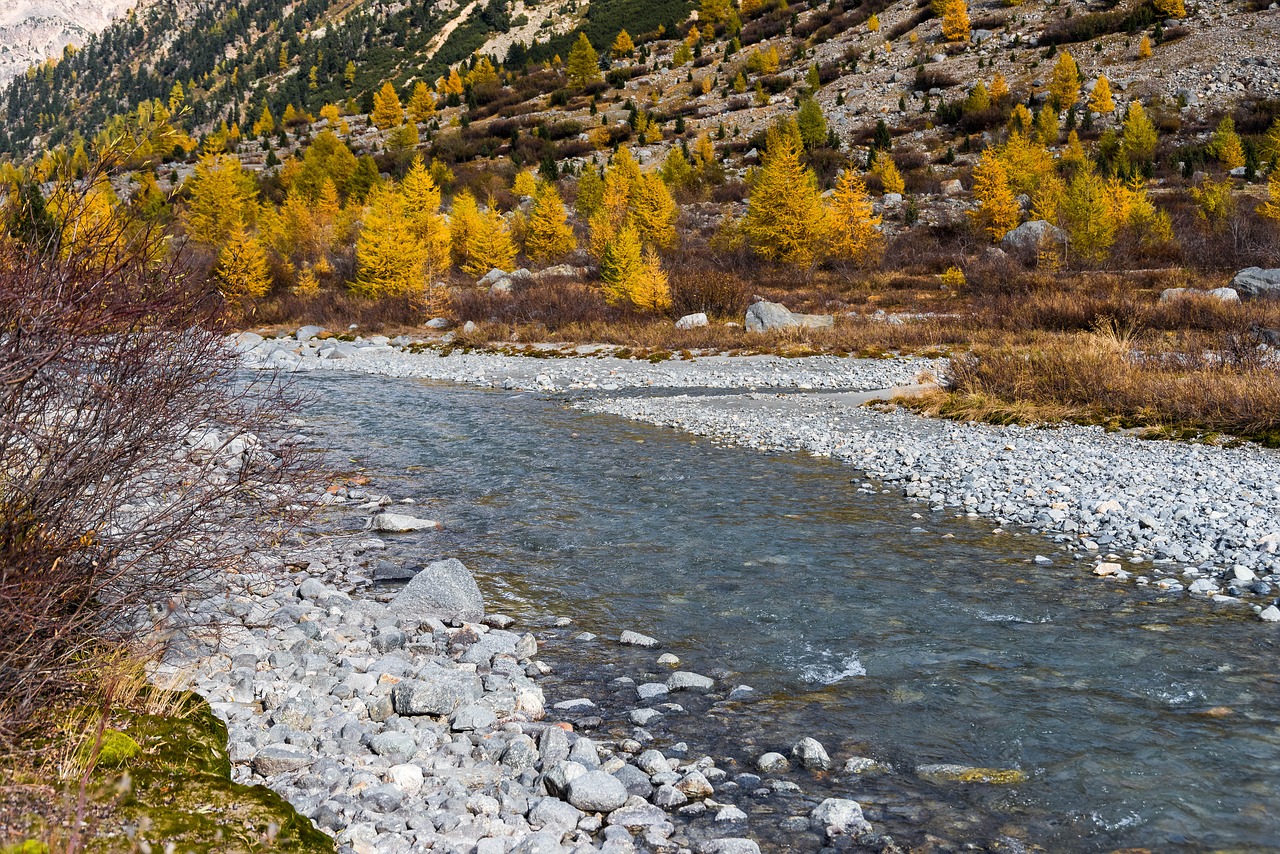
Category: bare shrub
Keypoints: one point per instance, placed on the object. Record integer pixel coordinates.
(136, 463)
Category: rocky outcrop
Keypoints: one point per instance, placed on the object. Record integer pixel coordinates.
(1026, 240)
(1257, 283)
(765, 316)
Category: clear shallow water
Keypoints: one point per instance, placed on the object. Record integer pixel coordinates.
(1140, 720)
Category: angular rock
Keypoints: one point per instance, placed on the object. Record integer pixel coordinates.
(1257, 283)
(773, 763)
(683, 680)
(630, 638)
(1028, 239)
(398, 523)
(555, 816)
(811, 755)
(439, 693)
(765, 316)
(444, 589)
(277, 759)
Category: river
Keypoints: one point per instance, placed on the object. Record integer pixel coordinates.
(1139, 721)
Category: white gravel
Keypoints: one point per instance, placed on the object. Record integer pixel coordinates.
(606, 373)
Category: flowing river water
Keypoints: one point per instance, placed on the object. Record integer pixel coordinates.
(1140, 719)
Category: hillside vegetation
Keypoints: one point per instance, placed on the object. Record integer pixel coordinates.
(982, 174)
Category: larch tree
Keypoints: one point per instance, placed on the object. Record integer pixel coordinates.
(266, 123)
(999, 88)
(622, 45)
(548, 235)
(873, 23)
(422, 103)
(1269, 149)
(955, 20)
(1171, 8)
(884, 167)
(786, 219)
(997, 211)
(1100, 100)
(651, 291)
(464, 219)
(1064, 83)
(1138, 141)
(490, 246)
(854, 224)
(590, 192)
(1226, 145)
(222, 198)
(389, 258)
(811, 123)
(654, 211)
(1271, 208)
(1047, 125)
(584, 63)
(242, 269)
(524, 184)
(430, 229)
(620, 265)
(1021, 121)
(387, 110)
(1086, 215)
(330, 113)
(1144, 47)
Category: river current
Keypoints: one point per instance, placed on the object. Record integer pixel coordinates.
(1139, 719)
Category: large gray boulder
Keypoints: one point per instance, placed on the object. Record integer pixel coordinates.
(596, 791)
(399, 523)
(765, 316)
(838, 817)
(438, 693)
(1257, 283)
(444, 589)
(1026, 240)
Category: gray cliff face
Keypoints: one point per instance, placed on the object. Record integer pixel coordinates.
(32, 31)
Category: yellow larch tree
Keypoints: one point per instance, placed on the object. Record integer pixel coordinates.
(330, 113)
(222, 198)
(1139, 139)
(786, 219)
(489, 246)
(242, 268)
(884, 167)
(389, 257)
(1100, 100)
(1144, 47)
(997, 211)
(999, 88)
(590, 192)
(1021, 121)
(873, 23)
(1271, 208)
(387, 110)
(1226, 145)
(1086, 214)
(854, 224)
(654, 211)
(422, 210)
(584, 63)
(955, 20)
(651, 291)
(524, 184)
(1064, 83)
(422, 103)
(1171, 8)
(620, 265)
(266, 123)
(548, 235)
(622, 45)
(464, 220)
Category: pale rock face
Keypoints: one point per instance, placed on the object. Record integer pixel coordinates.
(34, 30)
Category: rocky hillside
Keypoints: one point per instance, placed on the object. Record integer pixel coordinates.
(32, 31)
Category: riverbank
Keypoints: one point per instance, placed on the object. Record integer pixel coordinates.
(402, 719)
(1194, 520)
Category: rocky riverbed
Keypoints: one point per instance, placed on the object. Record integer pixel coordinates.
(410, 719)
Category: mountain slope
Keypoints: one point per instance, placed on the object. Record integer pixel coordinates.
(32, 31)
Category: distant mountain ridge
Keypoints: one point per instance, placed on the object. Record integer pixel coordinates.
(32, 31)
